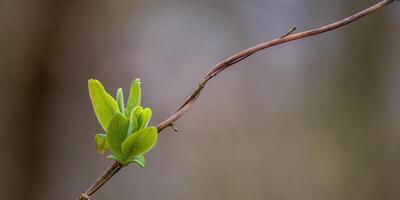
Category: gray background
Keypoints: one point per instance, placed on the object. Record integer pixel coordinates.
(313, 119)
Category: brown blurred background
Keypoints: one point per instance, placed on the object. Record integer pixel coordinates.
(313, 119)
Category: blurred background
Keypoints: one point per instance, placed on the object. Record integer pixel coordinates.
(312, 119)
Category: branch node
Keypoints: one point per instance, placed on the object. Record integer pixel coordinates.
(198, 90)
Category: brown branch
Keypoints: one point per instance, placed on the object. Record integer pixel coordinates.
(110, 171)
(221, 66)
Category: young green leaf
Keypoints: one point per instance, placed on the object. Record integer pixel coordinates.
(117, 132)
(101, 143)
(104, 104)
(144, 118)
(120, 100)
(137, 111)
(139, 160)
(134, 96)
(139, 142)
(133, 125)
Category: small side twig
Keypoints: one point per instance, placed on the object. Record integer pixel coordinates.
(174, 127)
(291, 30)
(221, 66)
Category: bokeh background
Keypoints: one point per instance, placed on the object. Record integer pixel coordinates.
(313, 119)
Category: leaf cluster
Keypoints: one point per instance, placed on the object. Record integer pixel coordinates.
(127, 134)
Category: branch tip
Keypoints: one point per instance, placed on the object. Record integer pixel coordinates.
(84, 197)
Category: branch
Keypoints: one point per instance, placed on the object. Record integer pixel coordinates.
(221, 66)
(110, 171)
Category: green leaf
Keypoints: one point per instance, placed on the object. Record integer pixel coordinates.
(101, 143)
(137, 111)
(134, 123)
(117, 132)
(120, 100)
(104, 104)
(139, 160)
(139, 142)
(144, 118)
(117, 158)
(134, 96)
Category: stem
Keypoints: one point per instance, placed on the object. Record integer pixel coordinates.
(224, 64)
(103, 178)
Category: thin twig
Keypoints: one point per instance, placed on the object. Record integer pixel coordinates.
(107, 174)
(221, 66)
(246, 53)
